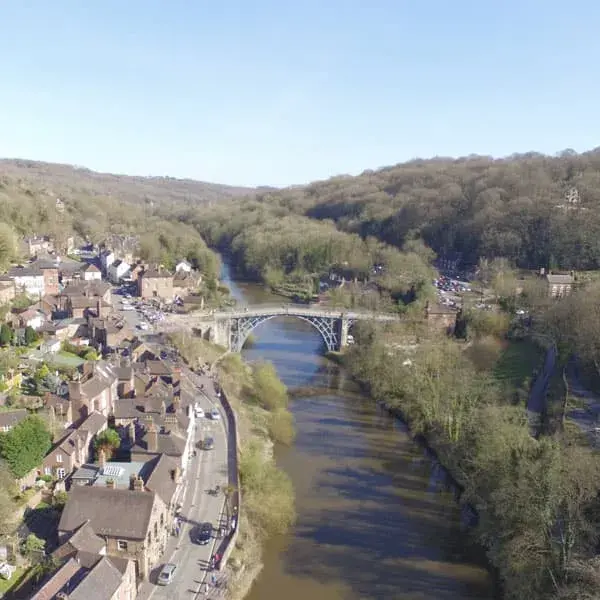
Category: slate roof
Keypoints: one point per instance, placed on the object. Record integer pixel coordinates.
(111, 512)
(560, 279)
(100, 583)
(170, 444)
(86, 288)
(22, 271)
(85, 540)
(10, 418)
(155, 274)
(162, 479)
(90, 268)
(104, 376)
(58, 581)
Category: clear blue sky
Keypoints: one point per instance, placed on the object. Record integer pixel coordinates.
(278, 92)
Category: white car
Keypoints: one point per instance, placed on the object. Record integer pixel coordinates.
(215, 415)
(198, 412)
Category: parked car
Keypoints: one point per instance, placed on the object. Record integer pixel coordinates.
(167, 574)
(198, 411)
(202, 534)
(209, 443)
(215, 415)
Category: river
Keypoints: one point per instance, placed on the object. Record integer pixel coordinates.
(376, 519)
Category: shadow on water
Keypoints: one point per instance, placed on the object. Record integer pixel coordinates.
(376, 519)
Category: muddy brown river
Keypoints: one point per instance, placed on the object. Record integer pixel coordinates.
(376, 518)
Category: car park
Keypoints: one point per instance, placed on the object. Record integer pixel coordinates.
(167, 574)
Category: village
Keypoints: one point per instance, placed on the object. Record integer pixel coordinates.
(93, 406)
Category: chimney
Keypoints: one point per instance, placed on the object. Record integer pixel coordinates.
(110, 483)
(99, 308)
(176, 403)
(74, 390)
(176, 376)
(132, 480)
(132, 433)
(152, 438)
(176, 474)
(138, 484)
(102, 457)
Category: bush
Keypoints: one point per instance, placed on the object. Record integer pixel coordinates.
(281, 426)
(269, 390)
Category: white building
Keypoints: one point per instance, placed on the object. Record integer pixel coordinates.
(91, 273)
(28, 281)
(117, 270)
(107, 258)
(183, 266)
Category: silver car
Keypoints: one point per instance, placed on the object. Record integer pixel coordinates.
(167, 574)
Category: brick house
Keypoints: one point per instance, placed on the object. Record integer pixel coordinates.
(75, 448)
(85, 572)
(49, 270)
(156, 283)
(94, 390)
(134, 522)
(59, 409)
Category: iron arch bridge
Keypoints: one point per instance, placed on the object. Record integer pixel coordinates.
(231, 328)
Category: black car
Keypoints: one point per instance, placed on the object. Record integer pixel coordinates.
(202, 534)
(209, 443)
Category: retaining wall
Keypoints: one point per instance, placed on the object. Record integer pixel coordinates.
(228, 543)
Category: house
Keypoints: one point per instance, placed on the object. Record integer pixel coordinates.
(99, 474)
(136, 270)
(109, 331)
(59, 409)
(185, 283)
(50, 344)
(38, 245)
(31, 317)
(156, 283)
(134, 522)
(28, 280)
(91, 272)
(560, 284)
(90, 289)
(107, 258)
(86, 573)
(183, 265)
(7, 290)
(117, 270)
(10, 418)
(95, 389)
(49, 270)
(74, 448)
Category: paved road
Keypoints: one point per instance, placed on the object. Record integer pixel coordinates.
(207, 470)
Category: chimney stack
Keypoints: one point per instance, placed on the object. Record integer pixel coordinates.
(132, 480)
(102, 457)
(110, 483)
(152, 438)
(176, 474)
(138, 484)
(132, 433)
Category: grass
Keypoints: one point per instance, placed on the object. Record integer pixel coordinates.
(6, 585)
(67, 359)
(510, 362)
(517, 361)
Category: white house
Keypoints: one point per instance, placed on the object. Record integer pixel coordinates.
(28, 280)
(118, 270)
(184, 266)
(91, 273)
(51, 344)
(32, 318)
(107, 258)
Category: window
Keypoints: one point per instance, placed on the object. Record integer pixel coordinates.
(59, 458)
(122, 545)
(60, 473)
(47, 471)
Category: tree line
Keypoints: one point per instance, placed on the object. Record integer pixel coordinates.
(534, 210)
(537, 499)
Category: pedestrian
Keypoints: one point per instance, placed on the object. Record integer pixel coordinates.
(213, 580)
(205, 588)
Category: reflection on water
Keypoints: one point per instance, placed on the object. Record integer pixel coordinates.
(375, 519)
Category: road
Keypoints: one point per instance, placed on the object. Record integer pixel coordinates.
(207, 470)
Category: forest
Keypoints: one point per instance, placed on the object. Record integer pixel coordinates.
(534, 210)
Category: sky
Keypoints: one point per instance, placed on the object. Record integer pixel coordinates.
(281, 92)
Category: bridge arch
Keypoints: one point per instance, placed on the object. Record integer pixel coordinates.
(328, 327)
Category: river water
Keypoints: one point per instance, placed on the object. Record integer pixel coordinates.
(376, 519)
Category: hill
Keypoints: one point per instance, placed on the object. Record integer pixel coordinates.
(71, 181)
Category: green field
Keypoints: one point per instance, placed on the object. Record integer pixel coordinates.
(517, 361)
